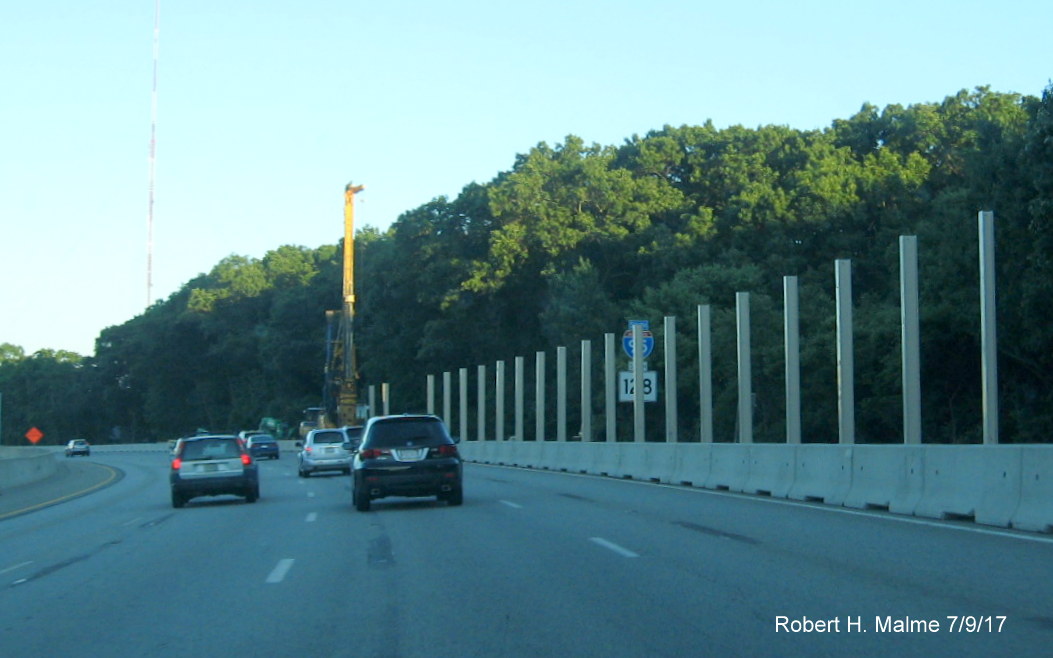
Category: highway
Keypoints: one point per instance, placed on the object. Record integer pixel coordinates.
(534, 563)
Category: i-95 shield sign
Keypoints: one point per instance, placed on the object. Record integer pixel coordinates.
(626, 390)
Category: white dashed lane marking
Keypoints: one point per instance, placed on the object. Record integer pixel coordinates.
(624, 552)
(277, 575)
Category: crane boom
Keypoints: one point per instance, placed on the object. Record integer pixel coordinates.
(341, 371)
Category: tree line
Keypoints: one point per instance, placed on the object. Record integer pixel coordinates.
(577, 238)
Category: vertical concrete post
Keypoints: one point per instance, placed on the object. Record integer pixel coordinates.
(705, 375)
(911, 338)
(372, 400)
(385, 398)
(638, 388)
(671, 420)
(846, 394)
(586, 390)
(431, 395)
(988, 327)
(610, 383)
(480, 405)
(742, 315)
(792, 348)
(499, 401)
(519, 383)
(539, 397)
(462, 400)
(561, 393)
(447, 398)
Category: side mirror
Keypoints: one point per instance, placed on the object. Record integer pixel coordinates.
(299, 444)
(349, 446)
(456, 439)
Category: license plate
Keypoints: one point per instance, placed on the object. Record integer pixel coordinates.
(209, 468)
(410, 455)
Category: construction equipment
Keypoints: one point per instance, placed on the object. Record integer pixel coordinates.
(340, 394)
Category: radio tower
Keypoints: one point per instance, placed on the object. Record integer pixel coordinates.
(152, 160)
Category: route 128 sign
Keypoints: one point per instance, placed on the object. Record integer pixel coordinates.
(645, 332)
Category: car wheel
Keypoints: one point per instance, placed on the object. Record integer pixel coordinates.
(177, 500)
(361, 500)
(455, 497)
(253, 495)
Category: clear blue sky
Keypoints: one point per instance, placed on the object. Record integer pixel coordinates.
(267, 109)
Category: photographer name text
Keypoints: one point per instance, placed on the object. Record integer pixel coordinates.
(891, 624)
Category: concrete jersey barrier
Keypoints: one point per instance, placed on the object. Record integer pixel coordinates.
(20, 465)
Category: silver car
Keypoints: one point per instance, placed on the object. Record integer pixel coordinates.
(323, 450)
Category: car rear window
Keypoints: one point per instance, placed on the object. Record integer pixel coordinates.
(210, 449)
(329, 437)
(396, 433)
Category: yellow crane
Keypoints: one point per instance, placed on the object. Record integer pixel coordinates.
(341, 376)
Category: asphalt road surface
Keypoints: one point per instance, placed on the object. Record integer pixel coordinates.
(533, 564)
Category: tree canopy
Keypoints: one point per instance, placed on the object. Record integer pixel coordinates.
(576, 238)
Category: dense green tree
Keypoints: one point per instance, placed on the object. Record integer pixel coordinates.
(575, 239)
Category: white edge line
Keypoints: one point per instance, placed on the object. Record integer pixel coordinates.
(313, 516)
(282, 568)
(511, 504)
(624, 552)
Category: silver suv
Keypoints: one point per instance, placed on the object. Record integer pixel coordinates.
(212, 465)
(324, 450)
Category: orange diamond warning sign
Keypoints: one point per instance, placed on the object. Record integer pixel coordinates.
(34, 435)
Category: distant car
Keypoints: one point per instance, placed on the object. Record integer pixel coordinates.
(263, 445)
(78, 447)
(411, 455)
(325, 450)
(212, 465)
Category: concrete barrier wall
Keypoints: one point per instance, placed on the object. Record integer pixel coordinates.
(771, 469)
(1005, 485)
(692, 463)
(1035, 511)
(971, 482)
(20, 466)
(822, 473)
(728, 466)
(886, 477)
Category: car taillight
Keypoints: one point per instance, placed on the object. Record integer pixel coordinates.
(374, 453)
(447, 450)
(245, 459)
(177, 464)
(307, 449)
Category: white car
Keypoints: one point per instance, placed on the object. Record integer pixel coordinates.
(78, 447)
